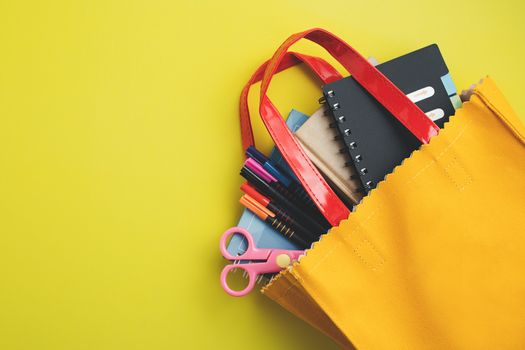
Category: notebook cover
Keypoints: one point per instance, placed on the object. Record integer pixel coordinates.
(375, 140)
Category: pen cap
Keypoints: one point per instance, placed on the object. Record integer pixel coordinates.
(257, 168)
(252, 192)
(277, 174)
(257, 211)
(259, 206)
(255, 154)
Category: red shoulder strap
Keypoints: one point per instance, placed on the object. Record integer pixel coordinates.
(371, 79)
(320, 67)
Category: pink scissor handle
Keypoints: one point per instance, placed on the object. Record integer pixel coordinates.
(251, 253)
(252, 278)
(259, 260)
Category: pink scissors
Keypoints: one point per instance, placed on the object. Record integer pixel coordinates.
(261, 260)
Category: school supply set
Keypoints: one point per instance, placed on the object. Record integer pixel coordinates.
(324, 145)
(263, 220)
(281, 206)
(422, 261)
(284, 205)
(264, 235)
(260, 260)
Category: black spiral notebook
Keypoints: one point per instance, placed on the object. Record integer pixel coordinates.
(375, 140)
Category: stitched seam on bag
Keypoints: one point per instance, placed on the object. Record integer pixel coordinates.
(440, 155)
(374, 267)
(507, 122)
(358, 246)
(456, 182)
(412, 179)
(338, 243)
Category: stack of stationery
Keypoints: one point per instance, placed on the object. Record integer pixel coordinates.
(375, 140)
(351, 122)
(264, 235)
(280, 203)
(324, 148)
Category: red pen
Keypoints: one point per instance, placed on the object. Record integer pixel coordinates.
(281, 215)
(269, 217)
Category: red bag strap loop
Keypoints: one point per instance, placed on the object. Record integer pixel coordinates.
(371, 79)
(320, 67)
(383, 90)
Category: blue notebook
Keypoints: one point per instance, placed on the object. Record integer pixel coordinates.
(263, 235)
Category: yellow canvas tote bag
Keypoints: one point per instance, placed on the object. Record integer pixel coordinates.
(434, 257)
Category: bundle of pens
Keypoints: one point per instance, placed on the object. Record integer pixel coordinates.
(279, 200)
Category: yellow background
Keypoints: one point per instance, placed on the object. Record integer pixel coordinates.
(120, 149)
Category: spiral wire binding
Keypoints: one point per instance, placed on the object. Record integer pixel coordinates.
(351, 162)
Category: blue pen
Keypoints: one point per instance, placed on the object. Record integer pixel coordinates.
(285, 180)
(252, 152)
(255, 154)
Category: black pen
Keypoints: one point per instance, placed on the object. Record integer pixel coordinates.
(268, 190)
